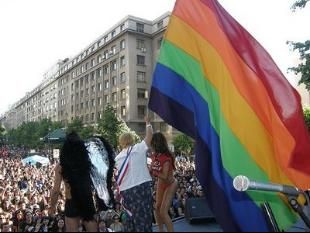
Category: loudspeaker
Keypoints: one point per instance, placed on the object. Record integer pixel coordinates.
(197, 210)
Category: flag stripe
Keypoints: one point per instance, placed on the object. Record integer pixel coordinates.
(257, 144)
(241, 75)
(285, 99)
(213, 66)
(186, 116)
(209, 135)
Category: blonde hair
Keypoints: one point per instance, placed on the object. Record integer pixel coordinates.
(126, 140)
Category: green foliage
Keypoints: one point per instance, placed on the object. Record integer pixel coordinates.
(307, 117)
(29, 134)
(299, 4)
(183, 144)
(304, 67)
(125, 129)
(77, 126)
(109, 126)
(2, 132)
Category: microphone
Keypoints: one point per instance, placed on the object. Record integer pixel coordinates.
(243, 183)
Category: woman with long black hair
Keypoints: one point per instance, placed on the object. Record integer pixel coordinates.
(75, 170)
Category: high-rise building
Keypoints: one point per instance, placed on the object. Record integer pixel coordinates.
(114, 69)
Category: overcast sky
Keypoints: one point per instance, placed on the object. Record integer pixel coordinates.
(36, 33)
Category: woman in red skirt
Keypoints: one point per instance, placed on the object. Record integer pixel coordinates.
(163, 167)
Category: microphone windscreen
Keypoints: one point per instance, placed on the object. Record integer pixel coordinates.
(241, 183)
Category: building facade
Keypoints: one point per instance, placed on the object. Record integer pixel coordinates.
(115, 69)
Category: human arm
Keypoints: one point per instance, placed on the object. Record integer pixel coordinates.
(149, 131)
(56, 190)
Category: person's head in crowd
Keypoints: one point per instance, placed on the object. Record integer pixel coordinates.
(45, 221)
(6, 227)
(29, 217)
(102, 226)
(60, 225)
(116, 218)
(126, 140)
(118, 207)
(19, 216)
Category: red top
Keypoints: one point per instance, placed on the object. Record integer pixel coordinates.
(158, 161)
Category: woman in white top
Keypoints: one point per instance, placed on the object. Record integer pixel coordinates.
(135, 182)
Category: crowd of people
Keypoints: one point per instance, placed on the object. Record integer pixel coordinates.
(25, 193)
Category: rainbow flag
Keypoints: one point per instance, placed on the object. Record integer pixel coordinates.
(215, 82)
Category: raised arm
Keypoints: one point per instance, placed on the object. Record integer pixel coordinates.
(56, 190)
(149, 131)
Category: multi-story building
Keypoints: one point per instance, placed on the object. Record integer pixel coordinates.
(115, 69)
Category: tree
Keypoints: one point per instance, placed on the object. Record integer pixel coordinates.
(125, 129)
(109, 126)
(304, 51)
(307, 117)
(183, 144)
(299, 4)
(2, 131)
(77, 126)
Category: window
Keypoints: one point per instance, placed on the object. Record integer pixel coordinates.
(106, 54)
(99, 72)
(86, 80)
(114, 81)
(123, 44)
(93, 89)
(86, 66)
(106, 99)
(142, 93)
(140, 44)
(113, 49)
(99, 116)
(81, 82)
(93, 103)
(99, 101)
(122, 27)
(106, 69)
(87, 91)
(160, 24)
(141, 77)
(73, 74)
(87, 104)
(82, 69)
(140, 27)
(123, 94)
(99, 58)
(123, 77)
(159, 43)
(123, 111)
(82, 106)
(105, 39)
(106, 84)
(114, 97)
(92, 116)
(123, 61)
(92, 63)
(113, 65)
(92, 76)
(87, 118)
(99, 87)
(113, 33)
(82, 94)
(140, 60)
(141, 111)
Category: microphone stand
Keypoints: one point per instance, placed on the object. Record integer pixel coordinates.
(298, 209)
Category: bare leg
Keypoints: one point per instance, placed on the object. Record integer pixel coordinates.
(91, 226)
(72, 224)
(159, 200)
(166, 204)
